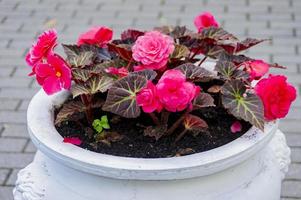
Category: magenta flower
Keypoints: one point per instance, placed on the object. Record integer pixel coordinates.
(42, 48)
(73, 140)
(236, 127)
(120, 72)
(205, 20)
(99, 35)
(277, 96)
(174, 92)
(256, 68)
(148, 99)
(54, 75)
(153, 50)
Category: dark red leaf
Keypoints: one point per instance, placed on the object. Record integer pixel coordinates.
(131, 34)
(123, 50)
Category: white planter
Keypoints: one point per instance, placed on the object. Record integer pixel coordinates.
(249, 168)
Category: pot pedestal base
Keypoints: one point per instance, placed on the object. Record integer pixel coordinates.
(259, 177)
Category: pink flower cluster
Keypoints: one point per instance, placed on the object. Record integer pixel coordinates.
(51, 71)
(205, 20)
(99, 35)
(152, 50)
(276, 95)
(172, 92)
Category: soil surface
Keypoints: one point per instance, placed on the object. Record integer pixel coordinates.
(135, 144)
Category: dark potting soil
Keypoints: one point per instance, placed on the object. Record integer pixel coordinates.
(135, 144)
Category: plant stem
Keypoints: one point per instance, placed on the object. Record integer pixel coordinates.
(195, 53)
(154, 118)
(176, 124)
(87, 102)
(164, 117)
(202, 60)
(181, 135)
(129, 64)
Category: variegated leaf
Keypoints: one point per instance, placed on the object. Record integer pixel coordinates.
(147, 73)
(196, 73)
(93, 85)
(79, 56)
(81, 74)
(203, 100)
(229, 71)
(99, 84)
(216, 33)
(180, 51)
(121, 98)
(79, 89)
(241, 104)
(73, 107)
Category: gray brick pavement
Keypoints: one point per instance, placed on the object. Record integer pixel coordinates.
(21, 21)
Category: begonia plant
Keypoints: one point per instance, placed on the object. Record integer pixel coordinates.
(160, 72)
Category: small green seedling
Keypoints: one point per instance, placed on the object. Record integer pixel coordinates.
(100, 124)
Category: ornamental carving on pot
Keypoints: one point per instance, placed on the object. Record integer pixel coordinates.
(26, 187)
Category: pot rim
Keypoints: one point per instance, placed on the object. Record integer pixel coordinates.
(40, 117)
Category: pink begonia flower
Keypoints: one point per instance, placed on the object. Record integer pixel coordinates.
(41, 48)
(256, 68)
(148, 99)
(99, 35)
(277, 96)
(205, 20)
(236, 127)
(174, 92)
(153, 50)
(53, 75)
(72, 140)
(120, 72)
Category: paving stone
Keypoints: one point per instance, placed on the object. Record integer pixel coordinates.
(291, 189)
(6, 193)
(294, 172)
(12, 177)
(15, 160)
(15, 130)
(6, 104)
(30, 148)
(12, 117)
(293, 139)
(3, 175)
(296, 155)
(12, 144)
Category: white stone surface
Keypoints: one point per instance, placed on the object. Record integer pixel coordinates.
(248, 168)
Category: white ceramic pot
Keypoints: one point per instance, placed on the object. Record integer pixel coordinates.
(249, 168)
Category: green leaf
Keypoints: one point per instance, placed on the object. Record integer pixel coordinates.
(73, 107)
(101, 124)
(121, 98)
(203, 100)
(93, 85)
(180, 51)
(196, 73)
(147, 73)
(79, 56)
(241, 104)
(229, 71)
